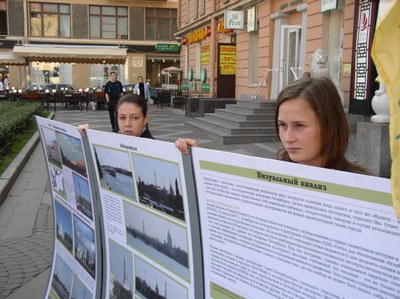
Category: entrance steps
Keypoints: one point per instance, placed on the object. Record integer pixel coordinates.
(247, 121)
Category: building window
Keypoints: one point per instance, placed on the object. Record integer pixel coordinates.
(50, 20)
(187, 11)
(160, 24)
(3, 17)
(202, 7)
(253, 57)
(108, 22)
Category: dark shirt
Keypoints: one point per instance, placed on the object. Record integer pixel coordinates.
(146, 134)
(114, 90)
(141, 90)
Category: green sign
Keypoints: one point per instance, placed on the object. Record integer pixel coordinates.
(167, 48)
(188, 85)
(192, 85)
(205, 87)
(185, 85)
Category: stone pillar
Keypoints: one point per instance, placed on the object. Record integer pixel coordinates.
(373, 148)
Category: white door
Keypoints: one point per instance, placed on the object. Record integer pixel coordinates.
(289, 68)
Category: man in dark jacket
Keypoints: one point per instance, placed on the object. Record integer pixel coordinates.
(113, 91)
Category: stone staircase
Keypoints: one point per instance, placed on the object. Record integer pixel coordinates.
(247, 121)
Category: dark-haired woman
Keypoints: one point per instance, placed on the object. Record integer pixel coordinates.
(131, 115)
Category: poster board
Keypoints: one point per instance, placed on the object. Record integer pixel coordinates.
(147, 235)
(75, 265)
(212, 224)
(274, 229)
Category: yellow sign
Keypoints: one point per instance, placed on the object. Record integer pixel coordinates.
(205, 54)
(199, 35)
(227, 60)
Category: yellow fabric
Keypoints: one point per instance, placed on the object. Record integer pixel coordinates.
(386, 55)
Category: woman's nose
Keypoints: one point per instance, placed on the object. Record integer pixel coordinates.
(127, 122)
(289, 135)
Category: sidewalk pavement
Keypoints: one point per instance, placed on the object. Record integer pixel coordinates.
(26, 215)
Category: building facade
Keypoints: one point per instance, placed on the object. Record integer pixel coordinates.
(81, 42)
(236, 48)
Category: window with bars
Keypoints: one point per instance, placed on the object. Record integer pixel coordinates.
(3, 17)
(160, 23)
(108, 22)
(50, 19)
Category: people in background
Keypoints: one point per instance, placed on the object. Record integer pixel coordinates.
(142, 89)
(113, 91)
(6, 82)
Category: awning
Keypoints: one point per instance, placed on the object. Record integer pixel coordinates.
(72, 53)
(8, 58)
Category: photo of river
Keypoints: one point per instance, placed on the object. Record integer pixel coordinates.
(72, 153)
(115, 171)
(163, 241)
(152, 283)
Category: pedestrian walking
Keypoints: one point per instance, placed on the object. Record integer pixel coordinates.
(113, 91)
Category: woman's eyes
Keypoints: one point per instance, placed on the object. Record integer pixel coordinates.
(284, 126)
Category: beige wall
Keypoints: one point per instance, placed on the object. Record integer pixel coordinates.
(314, 39)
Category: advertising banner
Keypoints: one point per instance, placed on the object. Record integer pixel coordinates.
(227, 59)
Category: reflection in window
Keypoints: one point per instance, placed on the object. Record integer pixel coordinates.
(160, 24)
(108, 22)
(50, 20)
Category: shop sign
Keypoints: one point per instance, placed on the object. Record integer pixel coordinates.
(227, 59)
(188, 85)
(185, 85)
(327, 5)
(167, 48)
(205, 87)
(184, 40)
(234, 19)
(205, 54)
(199, 35)
(221, 27)
(251, 19)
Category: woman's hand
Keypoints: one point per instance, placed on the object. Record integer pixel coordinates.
(82, 129)
(183, 144)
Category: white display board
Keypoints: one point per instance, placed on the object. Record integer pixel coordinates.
(147, 233)
(274, 229)
(74, 272)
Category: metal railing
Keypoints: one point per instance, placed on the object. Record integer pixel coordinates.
(264, 79)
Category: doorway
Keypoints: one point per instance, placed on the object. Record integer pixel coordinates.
(226, 70)
(289, 67)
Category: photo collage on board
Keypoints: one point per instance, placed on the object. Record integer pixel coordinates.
(73, 207)
(154, 256)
